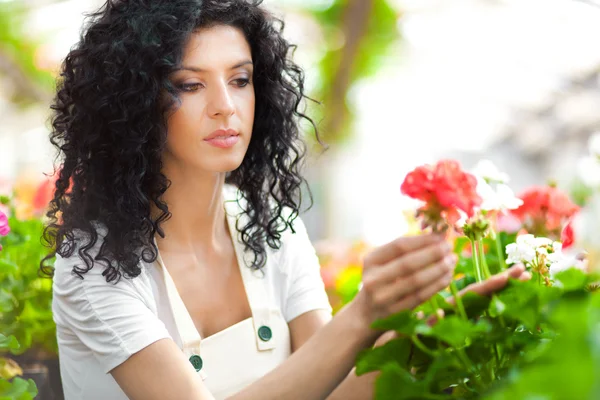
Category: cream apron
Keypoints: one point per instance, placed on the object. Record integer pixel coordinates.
(235, 357)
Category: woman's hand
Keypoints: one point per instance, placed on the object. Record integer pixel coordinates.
(403, 274)
(496, 282)
(485, 288)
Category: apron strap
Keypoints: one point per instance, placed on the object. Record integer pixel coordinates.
(257, 290)
(190, 337)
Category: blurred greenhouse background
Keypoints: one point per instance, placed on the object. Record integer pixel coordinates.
(402, 83)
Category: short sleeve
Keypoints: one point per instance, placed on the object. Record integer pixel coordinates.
(113, 320)
(305, 288)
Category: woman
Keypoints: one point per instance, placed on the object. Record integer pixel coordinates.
(182, 270)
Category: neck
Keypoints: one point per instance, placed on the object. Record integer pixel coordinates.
(197, 220)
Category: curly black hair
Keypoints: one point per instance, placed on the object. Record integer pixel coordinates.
(109, 127)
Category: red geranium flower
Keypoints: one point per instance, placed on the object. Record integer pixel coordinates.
(545, 210)
(446, 189)
(567, 236)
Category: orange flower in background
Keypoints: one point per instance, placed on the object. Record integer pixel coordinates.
(446, 190)
(31, 193)
(44, 193)
(545, 210)
(341, 269)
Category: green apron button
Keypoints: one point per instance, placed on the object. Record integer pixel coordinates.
(264, 333)
(196, 362)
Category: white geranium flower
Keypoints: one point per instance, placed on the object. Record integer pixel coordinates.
(488, 195)
(542, 241)
(557, 254)
(564, 263)
(520, 253)
(526, 240)
(533, 241)
(500, 198)
(488, 171)
(557, 247)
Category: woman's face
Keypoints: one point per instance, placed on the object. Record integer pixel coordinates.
(211, 130)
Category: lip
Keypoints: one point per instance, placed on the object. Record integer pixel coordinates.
(223, 138)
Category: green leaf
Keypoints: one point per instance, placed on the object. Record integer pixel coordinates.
(9, 343)
(404, 322)
(18, 389)
(441, 302)
(524, 301)
(397, 350)
(572, 279)
(395, 383)
(464, 265)
(444, 371)
(7, 267)
(496, 307)
(7, 302)
(454, 330)
(475, 304)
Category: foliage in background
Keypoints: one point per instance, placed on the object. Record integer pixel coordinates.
(358, 37)
(341, 270)
(26, 323)
(11, 387)
(25, 297)
(18, 54)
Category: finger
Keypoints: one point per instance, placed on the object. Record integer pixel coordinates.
(525, 276)
(516, 270)
(412, 262)
(416, 298)
(396, 289)
(496, 282)
(398, 247)
(385, 337)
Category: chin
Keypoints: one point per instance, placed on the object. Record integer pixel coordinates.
(226, 165)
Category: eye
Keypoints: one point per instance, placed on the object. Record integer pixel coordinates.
(241, 82)
(190, 87)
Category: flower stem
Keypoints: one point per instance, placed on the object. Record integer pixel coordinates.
(476, 266)
(462, 356)
(484, 266)
(422, 347)
(500, 252)
(458, 301)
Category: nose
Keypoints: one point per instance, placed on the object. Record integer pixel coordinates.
(220, 102)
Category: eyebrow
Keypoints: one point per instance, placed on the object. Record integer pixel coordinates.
(196, 69)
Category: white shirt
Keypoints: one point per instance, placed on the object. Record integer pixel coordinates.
(100, 324)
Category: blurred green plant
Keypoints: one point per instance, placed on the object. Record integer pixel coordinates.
(25, 296)
(12, 387)
(358, 36)
(18, 57)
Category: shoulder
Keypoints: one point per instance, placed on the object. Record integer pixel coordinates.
(90, 286)
(112, 319)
